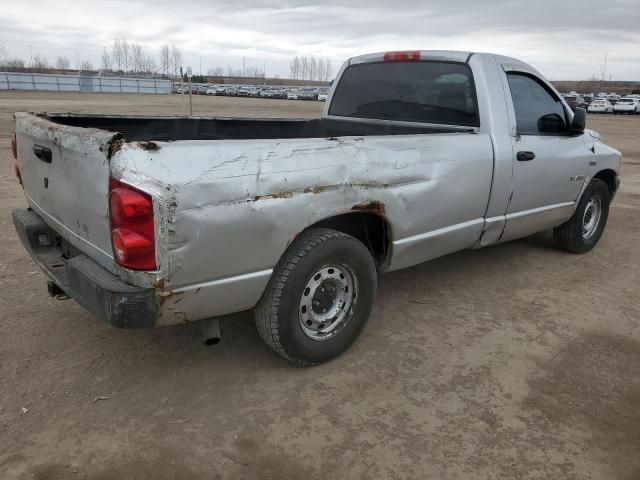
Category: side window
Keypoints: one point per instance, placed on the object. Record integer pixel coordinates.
(532, 101)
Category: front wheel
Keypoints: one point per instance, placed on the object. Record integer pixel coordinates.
(582, 231)
(319, 297)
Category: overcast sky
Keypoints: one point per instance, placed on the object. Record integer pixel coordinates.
(563, 39)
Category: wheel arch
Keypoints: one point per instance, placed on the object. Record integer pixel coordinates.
(610, 177)
(367, 223)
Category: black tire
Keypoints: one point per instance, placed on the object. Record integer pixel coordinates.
(278, 315)
(569, 235)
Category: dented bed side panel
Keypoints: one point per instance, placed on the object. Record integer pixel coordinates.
(229, 209)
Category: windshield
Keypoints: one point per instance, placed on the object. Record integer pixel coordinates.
(430, 92)
(625, 100)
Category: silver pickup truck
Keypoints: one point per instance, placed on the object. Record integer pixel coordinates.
(150, 221)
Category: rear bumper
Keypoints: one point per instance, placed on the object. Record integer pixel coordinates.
(96, 289)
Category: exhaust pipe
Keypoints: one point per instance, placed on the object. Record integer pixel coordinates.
(211, 331)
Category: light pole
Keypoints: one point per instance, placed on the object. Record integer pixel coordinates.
(189, 75)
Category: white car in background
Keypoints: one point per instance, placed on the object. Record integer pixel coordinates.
(627, 105)
(600, 106)
(292, 95)
(323, 96)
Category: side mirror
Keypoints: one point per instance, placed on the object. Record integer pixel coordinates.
(579, 121)
(551, 123)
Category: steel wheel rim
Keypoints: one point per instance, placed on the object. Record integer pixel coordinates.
(591, 217)
(327, 301)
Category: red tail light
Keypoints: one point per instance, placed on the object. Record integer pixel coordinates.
(132, 227)
(402, 56)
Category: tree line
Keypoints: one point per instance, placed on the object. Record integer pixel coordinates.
(310, 68)
(125, 57)
(229, 71)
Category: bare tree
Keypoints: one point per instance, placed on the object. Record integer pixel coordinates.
(294, 68)
(117, 54)
(304, 68)
(40, 64)
(15, 64)
(62, 63)
(126, 54)
(176, 60)
(86, 66)
(253, 72)
(603, 67)
(313, 69)
(215, 72)
(328, 70)
(321, 69)
(106, 61)
(233, 72)
(149, 65)
(164, 60)
(310, 68)
(137, 57)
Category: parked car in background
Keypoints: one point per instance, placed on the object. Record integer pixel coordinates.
(613, 99)
(600, 106)
(266, 92)
(308, 93)
(279, 93)
(574, 101)
(323, 94)
(231, 91)
(292, 94)
(244, 91)
(627, 105)
(150, 221)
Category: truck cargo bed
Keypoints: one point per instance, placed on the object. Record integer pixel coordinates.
(145, 128)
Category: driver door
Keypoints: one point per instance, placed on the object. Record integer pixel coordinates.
(549, 164)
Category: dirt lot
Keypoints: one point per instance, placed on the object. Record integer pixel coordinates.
(516, 361)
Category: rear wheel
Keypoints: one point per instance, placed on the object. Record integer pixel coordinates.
(582, 231)
(319, 297)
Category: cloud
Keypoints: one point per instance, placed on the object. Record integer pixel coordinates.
(562, 39)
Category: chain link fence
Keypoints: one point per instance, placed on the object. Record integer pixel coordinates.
(82, 83)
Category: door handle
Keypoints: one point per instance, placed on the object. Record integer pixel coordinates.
(525, 156)
(43, 153)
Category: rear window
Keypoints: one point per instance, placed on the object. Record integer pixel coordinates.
(429, 92)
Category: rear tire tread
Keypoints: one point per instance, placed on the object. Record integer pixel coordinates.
(266, 311)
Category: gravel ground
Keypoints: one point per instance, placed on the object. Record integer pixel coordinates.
(516, 361)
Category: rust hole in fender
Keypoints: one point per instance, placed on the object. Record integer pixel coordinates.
(373, 206)
(148, 145)
(115, 145)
